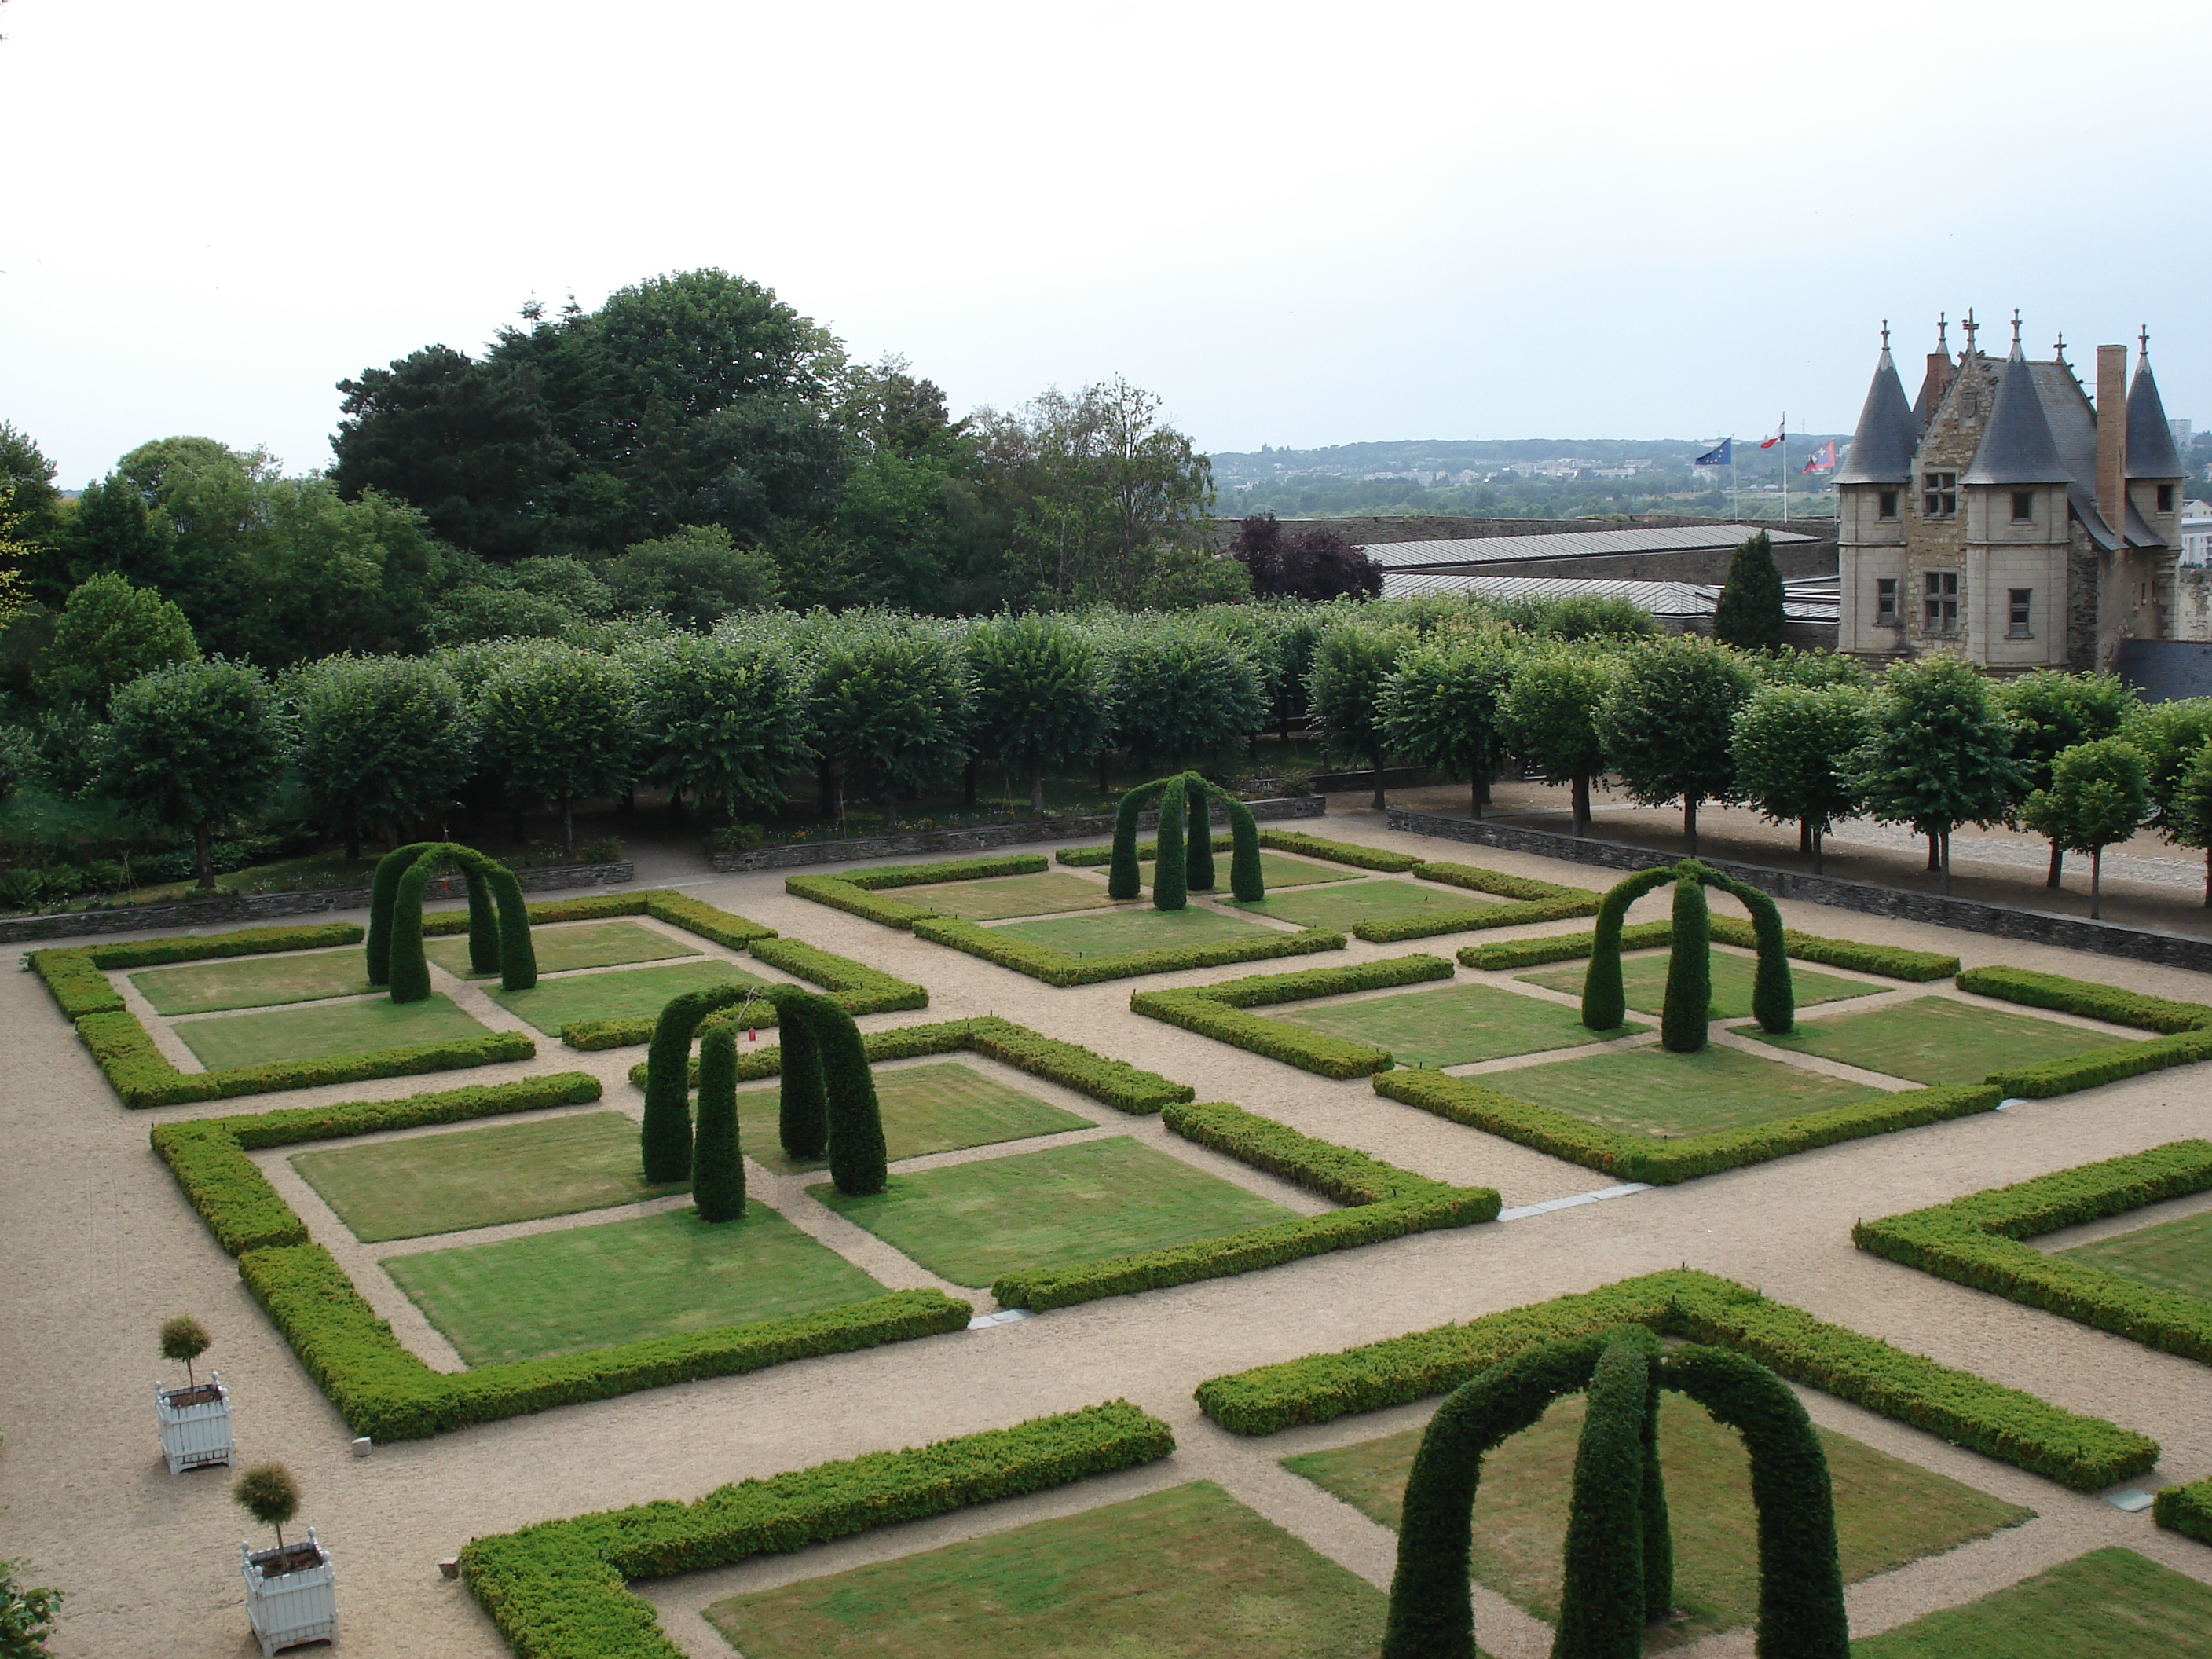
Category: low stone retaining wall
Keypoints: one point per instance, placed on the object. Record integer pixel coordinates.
(2039, 927)
(260, 907)
(977, 838)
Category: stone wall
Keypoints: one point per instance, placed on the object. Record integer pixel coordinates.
(265, 907)
(978, 838)
(2069, 933)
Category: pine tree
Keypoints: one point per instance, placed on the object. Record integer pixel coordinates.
(1749, 615)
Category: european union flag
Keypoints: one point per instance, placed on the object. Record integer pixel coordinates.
(1723, 456)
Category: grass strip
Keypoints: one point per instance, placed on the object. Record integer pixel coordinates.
(1064, 968)
(2109, 1604)
(857, 988)
(1889, 961)
(1216, 1011)
(560, 1589)
(2085, 1453)
(1975, 1241)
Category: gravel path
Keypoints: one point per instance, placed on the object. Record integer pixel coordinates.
(102, 1248)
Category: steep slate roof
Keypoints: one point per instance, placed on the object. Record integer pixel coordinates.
(1888, 432)
(2151, 453)
(2017, 447)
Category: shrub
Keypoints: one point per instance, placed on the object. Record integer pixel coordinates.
(2087, 1070)
(183, 1339)
(1975, 1241)
(2185, 1510)
(923, 875)
(246, 942)
(2084, 1453)
(1687, 1006)
(77, 987)
(1338, 852)
(840, 894)
(1391, 930)
(268, 1492)
(1064, 968)
(1892, 961)
(1216, 1010)
(2085, 998)
(718, 1172)
(855, 987)
(560, 1589)
(1480, 880)
(1091, 858)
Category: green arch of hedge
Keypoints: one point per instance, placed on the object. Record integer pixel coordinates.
(498, 942)
(1689, 969)
(828, 1094)
(1620, 1556)
(1185, 842)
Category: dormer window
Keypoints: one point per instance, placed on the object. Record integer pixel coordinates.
(1939, 495)
(2166, 498)
(2023, 506)
(1886, 507)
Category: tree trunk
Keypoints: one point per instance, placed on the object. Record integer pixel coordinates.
(1690, 825)
(353, 847)
(204, 856)
(1935, 853)
(890, 807)
(2096, 880)
(1037, 794)
(2208, 877)
(968, 787)
(1947, 863)
(1103, 787)
(675, 801)
(1817, 839)
(825, 786)
(1582, 804)
(568, 828)
(1482, 787)
(516, 830)
(2057, 865)
(1804, 835)
(1378, 803)
(628, 802)
(1476, 806)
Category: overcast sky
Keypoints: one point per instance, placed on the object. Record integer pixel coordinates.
(1298, 225)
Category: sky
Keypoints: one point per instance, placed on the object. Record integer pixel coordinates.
(1297, 225)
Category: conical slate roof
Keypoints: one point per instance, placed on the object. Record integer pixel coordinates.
(1888, 434)
(2016, 446)
(2151, 453)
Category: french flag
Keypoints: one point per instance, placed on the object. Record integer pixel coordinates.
(1768, 443)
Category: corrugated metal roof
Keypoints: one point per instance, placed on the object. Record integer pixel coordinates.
(1812, 600)
(1446, 552)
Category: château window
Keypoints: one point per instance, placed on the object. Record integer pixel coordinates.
(1939, 495)
(1942, 612)
(2022, 600)
(1888, 506)
(2023, 506)
(1885, 601)
(2166, 498)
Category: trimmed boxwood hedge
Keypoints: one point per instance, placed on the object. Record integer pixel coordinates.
(1389, 930)
(1091, 858)
(1662, 1163)
(1890, 961)
(1382, 1201)
(1216, 1011)
(855, 986)
(1338, 852)
(2085, 998)
(560, 1589)
(1975, 1241)
(2085, 1453)
(661, 904)
(2095, 1065)
(2185, 1510)
(1112, 1082)
(1065, 967)
(858, 891)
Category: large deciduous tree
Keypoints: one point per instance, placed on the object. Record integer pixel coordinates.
(1352, 663)
(1181, 688)
(193, 746)
(108, 634)
(722, 715)
(889, 701)
(1039, 690)
(2052, 711)
(378, 742)
(2099, 793)
(695, 575)
(556, 725)
(1549, 717)
(1440, 706)
(2173, 737)
(1668, 721)
(1315, 563)
(1940, 755)
(1792, 747)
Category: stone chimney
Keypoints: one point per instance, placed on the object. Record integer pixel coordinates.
(1938, 379)
(2112, 437)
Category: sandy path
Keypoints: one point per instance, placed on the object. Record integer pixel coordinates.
(101, 1248)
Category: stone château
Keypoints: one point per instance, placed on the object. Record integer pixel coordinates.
(2006, 518)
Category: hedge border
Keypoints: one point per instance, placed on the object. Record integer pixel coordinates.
(2186, 1509)
(1062, 968)
(2087, 998)
(560, 1589)
(1889, 961)
(1975, 1241)
(1663, 1163)
(1218, 1012)
(387, 1392)
(854, 986)
(2085, 1453)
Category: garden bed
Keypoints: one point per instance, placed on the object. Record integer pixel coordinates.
(2109, 1604)
(1936, 1040)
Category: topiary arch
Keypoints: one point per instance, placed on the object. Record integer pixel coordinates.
(1620, 1552)
(1689, 967)
(395, 919)
(829, 1094)
(1185, 842)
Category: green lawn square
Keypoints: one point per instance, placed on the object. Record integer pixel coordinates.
(926, 1109)
(1008, 895)
(1366, 901)
(448, 1184)
(1453, 1024)
(1887, 1512)
(1276, 870)
(1187, 1573)
(1648, 1090)
(617, 994)
(223, 1040)
(2173, 1256)
(1643, 976)
(1135, 926)
(2108, 1604)
(1936, 1040)
(971, 1222)
(592, 1286)
(201, 987)
(575, 944)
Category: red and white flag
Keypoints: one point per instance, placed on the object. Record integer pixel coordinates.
(1768, 443)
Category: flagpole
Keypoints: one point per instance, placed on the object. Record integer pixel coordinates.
(1785, 430)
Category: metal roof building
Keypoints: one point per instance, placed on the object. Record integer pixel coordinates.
(1458, 553)
(1811, 602)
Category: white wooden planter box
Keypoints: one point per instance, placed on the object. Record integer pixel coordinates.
(291, 1607)
(194, 1434)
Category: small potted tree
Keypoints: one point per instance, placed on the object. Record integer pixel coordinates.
(195, 1419)
(291, 1591)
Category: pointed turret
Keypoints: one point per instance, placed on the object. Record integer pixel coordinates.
(1888, 432)
(2016, 447)
(2151, 453)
